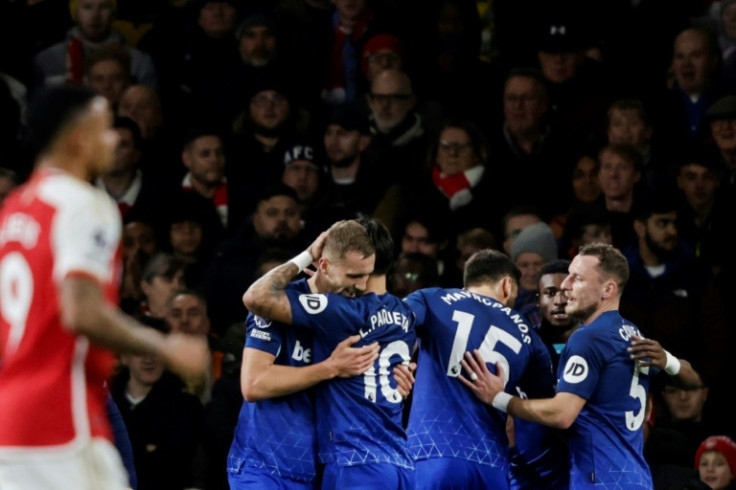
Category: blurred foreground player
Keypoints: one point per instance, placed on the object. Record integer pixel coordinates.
(59, 319)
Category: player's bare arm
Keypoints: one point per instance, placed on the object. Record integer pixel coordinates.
(649, 352)
(85, 311)
(266, 296)
(559, 412)
(261, 379)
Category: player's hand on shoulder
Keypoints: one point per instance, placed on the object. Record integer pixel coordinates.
(647, 352)
(481, 381)
(349, 361)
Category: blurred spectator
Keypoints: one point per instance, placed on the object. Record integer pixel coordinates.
(353, 185)
(445, 60)
(141, 104)
(629, 124)
(139, 245)
(191, 233)
(619, 172)
(579, 89)
(682, 414)
(412, 271)
(162, 275)
(716, 462)
(721, 117)
(585, 185)
(671, 296)
(422, 233)
(161, 147)
(516, 219)
(585, 223)
(697, 83)
(107, 71)
(64, 62)
(705, 215)
(381, 52)
(204, 59)
(276, 222)
(267, 126)
(470, 241)
(204, 157)
(399, 139)
(353, 23)
(532, 249)
(164, 422)
(526, 148)
(186, 312)
(305, 172)
(136, 196)
(459, 183)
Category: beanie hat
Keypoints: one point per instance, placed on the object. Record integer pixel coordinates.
(538, 238)
(74, 5)
(722, 444)
(378, 43)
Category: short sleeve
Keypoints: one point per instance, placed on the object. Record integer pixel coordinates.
(86, 232)
(263, 335)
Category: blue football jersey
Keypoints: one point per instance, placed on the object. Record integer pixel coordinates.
(540, 458)
(606, 441)
(446, 419)
(359, 418)
(278, 435)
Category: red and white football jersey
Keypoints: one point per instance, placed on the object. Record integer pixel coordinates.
(52, 390)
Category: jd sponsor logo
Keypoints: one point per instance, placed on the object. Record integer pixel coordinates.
(313, 303)
(576, 370)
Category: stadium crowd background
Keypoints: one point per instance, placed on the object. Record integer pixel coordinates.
(247, 127)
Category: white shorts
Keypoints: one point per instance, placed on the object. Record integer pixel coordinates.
(96, 466)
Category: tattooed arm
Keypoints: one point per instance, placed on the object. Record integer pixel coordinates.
(266, 296)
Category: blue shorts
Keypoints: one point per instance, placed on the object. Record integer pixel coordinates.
(457, 474)
(367, 477)
(258, 479)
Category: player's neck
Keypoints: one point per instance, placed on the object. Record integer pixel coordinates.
(486, 290)
(376, 284)
(68, 165)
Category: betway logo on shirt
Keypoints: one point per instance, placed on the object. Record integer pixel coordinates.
(301, 353)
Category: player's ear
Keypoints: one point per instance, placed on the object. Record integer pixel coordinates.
(610, 288)
(322, 265)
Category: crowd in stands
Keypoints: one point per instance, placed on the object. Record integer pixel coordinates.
(247, 127)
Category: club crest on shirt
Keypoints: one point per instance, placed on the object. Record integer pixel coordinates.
(313, 303)
(100, 239)
(261, 322)
(576, 370)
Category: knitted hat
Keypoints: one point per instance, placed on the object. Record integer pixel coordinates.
(722, 444)
(380, 42)
(538, 238)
